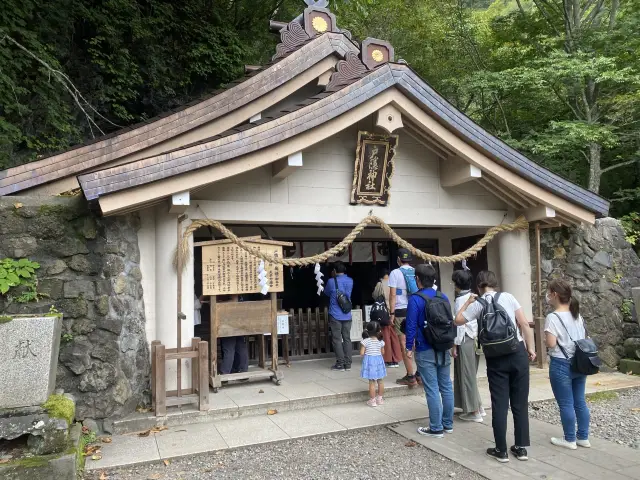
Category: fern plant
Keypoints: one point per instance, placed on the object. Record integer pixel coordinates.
(19, 273)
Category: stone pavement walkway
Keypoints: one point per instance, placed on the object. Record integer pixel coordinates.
(313, 417)
(469, 441)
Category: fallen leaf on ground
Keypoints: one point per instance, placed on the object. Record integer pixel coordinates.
(635, 409)
(288, 365)
(260, 391)
(154, 476)
(410, 443)
(167, 462)
(143, 410)
(103, 476)
(4, 460)
(272, 412)
(18, 205)
(159, 429)
(106, 440)
(598, 384)
(96, 457)
(146, 433)
(91, 449)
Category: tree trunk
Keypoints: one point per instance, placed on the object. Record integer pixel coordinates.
(595, 171)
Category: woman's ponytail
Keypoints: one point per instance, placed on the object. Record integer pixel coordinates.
(574, 308)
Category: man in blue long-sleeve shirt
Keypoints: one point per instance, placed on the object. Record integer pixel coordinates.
(434, 367)
(339, 321)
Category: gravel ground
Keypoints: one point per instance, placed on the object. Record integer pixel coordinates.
(615, 416)
(377, 453)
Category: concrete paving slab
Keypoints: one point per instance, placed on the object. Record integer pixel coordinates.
(306, 423)
(357, 415)
(189, 439)
(250, 431)
(256, 394)
(403, 409)
(345, 385)
(125, 450)
(297, 391)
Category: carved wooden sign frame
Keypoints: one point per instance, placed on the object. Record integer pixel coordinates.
(373, 168)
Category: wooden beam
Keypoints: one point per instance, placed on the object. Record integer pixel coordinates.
(429, 143)
(323, 80)
(504, 190)
(179, 202)
(455, 171)
(389, 118)
(541, 212)
(286, 166)
(499, 195)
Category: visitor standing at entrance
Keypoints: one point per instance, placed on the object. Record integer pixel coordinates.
(434, 366)
(562, 328)
(402, 283)
(338, 289)
(465, 354)
(373, 369)
(393, 353)
(508, 374)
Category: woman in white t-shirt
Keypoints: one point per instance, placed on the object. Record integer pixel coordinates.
(562, 328)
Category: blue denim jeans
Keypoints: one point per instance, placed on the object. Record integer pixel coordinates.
(568, 388)
(436, 379)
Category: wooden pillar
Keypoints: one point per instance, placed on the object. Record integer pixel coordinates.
(541, 351)
(160, 387)
(274, 331)
(202, 380)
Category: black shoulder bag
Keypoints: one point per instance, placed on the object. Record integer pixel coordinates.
(343, 301)
(586, 360)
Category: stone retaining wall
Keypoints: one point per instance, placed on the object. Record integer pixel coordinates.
(602, 268)
(90, 272)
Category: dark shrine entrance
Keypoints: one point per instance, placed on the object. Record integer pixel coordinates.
(309, 335)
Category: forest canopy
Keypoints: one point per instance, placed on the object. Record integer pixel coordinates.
(558, 80)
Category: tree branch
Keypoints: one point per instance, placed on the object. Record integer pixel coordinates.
(618, 165)
(66, 82)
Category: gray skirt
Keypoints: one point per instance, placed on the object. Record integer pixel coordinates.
(465, 370)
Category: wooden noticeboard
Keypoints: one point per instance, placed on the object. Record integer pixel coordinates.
(229, 270)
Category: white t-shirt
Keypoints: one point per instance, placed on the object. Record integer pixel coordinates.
(506, 301)
(372, 346)
(396, 281)
(576, 329)
(470, 328)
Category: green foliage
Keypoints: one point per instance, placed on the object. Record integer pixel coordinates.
(5, 319)
(59, 406)
(627, 309)
(604, 396)
(19, 273)
(631, 227)
(67, 337)
(130, 59)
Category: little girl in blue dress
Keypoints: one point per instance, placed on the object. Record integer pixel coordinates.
(373, 368)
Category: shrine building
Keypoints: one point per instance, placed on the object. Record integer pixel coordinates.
(299, 151)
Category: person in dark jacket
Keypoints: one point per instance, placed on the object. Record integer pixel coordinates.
(339, 321)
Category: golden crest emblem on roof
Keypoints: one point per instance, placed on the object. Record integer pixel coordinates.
(320, 25)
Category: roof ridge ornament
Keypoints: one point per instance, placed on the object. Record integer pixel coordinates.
(317, 3)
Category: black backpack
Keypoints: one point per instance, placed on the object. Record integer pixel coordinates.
(343, 301)
(379, 312)
(586, 360)
(496, 332)
(439, 329)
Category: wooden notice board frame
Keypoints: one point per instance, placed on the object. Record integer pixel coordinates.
(234, 318)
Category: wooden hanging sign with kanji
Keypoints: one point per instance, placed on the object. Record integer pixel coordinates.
(229, 270)
(373, 168)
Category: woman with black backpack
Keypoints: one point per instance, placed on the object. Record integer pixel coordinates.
(562, 328)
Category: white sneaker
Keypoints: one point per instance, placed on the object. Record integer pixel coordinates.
(482, 412)
(583, 443)
(472, 417)
(561, 442)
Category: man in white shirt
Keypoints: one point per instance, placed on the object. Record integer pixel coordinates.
(398, 299)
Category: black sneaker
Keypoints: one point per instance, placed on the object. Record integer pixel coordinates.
(427, 432)
(520, 453)
(347, 368)
(337, 368)
(501, 457)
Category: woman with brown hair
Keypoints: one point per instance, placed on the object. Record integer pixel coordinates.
(562, 328)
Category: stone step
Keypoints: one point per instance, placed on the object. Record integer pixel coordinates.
(225, 410)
